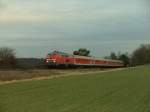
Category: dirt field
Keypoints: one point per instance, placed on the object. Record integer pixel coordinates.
(11, 75)
(7, 77)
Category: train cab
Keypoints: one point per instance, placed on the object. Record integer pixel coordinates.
(58, 58)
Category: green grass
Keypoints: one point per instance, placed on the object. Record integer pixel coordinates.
(121, 91)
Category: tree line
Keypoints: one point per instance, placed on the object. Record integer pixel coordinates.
(140, 56)
(120, 56)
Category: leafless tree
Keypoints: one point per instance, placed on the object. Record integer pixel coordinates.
(7, 57)
(141, 55)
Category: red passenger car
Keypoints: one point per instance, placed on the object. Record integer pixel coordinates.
(57, 58)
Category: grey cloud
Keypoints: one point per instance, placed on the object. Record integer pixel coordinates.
(147, 7)
(121, 32)
(2, 5)
(100, 48)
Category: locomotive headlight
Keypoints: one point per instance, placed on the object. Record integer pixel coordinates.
(54, 61)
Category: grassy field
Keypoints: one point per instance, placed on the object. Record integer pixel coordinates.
(120, 91)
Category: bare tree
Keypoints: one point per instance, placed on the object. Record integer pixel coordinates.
(7, 57)
(141, 55)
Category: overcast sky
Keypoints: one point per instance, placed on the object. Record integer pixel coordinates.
(36, 27)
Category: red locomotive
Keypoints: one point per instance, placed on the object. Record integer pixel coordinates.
(57, 58)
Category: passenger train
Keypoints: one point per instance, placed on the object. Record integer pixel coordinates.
(57, 58)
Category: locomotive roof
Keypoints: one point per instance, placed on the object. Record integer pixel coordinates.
(61, 53)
